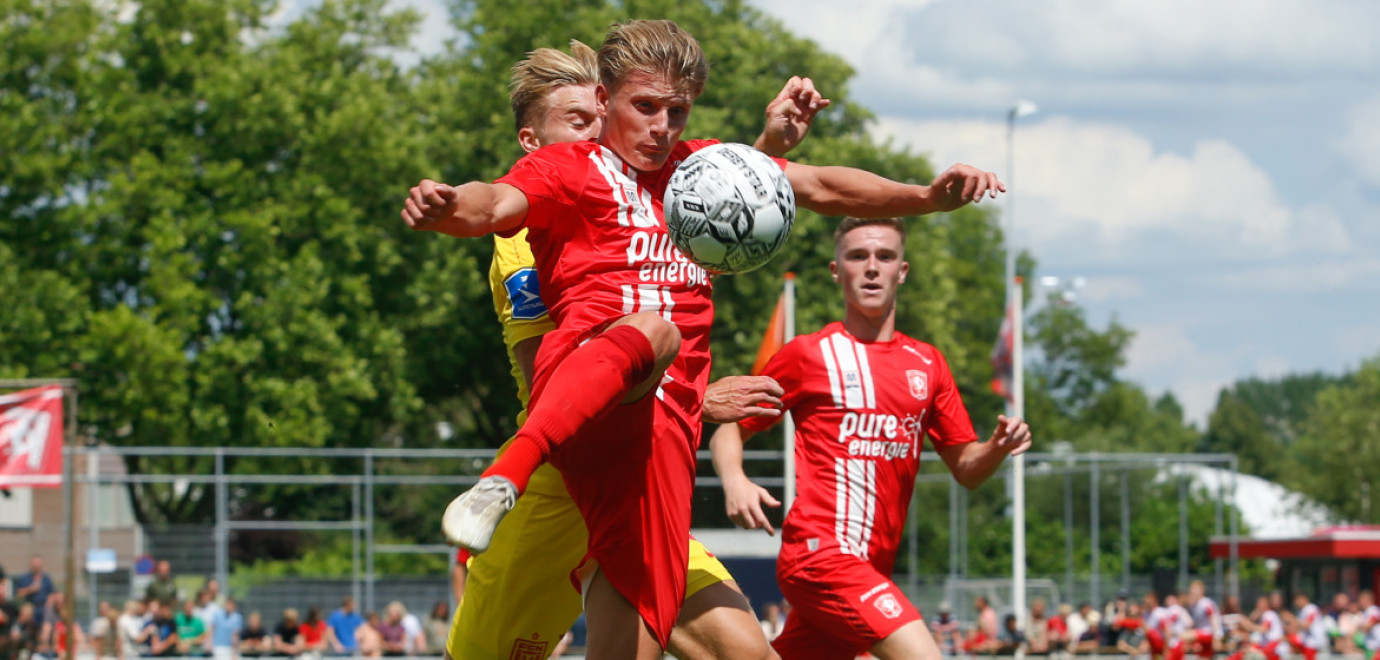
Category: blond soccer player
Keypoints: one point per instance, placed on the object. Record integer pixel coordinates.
(544, 537)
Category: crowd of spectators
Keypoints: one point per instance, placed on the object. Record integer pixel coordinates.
(206, 624)
(1175, 627)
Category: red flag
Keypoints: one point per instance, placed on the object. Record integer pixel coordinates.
(775, 336)
(31, 438)
(1003, 371)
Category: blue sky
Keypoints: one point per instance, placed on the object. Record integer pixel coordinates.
(1211, 168)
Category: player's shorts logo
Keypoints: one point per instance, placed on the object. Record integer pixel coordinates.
(919, 383)
(525, 650)
(888, 606)
(525, 295)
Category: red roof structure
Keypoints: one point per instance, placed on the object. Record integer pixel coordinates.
(1343, 542)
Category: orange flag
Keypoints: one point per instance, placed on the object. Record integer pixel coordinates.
(775, 336)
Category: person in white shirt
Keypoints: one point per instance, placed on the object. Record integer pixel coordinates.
(1312, 629)
(130, 625)
(1207, 621)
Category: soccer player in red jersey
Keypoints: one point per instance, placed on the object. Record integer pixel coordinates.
(863, 396)
(619, 385)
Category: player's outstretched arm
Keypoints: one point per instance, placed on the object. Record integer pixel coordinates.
(743, 499)
(473, 209)
(789, 116)
(736, 398)
(849, 191)
(973, 462)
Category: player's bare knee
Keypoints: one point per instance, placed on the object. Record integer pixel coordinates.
(664, 336)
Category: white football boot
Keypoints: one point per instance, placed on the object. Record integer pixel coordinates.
(472, 517)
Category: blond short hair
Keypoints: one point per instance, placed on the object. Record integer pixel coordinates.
(654, 47)
(544, 71)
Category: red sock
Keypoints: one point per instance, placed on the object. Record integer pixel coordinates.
(591, 380)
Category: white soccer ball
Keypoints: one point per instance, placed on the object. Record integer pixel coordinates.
(729, 208)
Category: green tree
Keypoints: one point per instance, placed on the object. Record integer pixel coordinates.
(1259, 420)
(1337, 456)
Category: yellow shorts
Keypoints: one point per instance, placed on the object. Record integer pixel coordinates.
(519, 600)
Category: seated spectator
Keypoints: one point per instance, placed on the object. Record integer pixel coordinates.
(191, 631)
(392, 632)
(314, 631)
(287, 637)
(1010, 640)
(438, 625)
(983, 638)
(1058, 628)
(414, 638)
(368, 639)
(7, 617)
(207, 609)
(341, 625)
(254, 639)
(34, 587)
(225, 630)
(1037, 631)
(1083, 630)
(54, 636)
(161, 631)
(24, 634)
(1131, 632)
(105, 632)
(945, 631)
(1342, 625)
(771, 621)
(134, 640)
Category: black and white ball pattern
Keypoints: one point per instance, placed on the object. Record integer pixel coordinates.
(729, 208)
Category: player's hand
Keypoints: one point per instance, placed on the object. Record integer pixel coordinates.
(736, 398)
(790, 115)
(743, 500)
(1012, 435)
(428, 203)
(961, 184)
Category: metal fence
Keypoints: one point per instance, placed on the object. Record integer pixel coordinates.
(233, 487)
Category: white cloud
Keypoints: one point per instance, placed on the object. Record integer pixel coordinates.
(1163, 355)
(1178, 38)
(1361, 144)
(1358, 273)
(1112, 288)
(1102, 193)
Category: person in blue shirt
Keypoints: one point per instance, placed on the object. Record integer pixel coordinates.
(34, 587)
(226, 623)
(341, 626)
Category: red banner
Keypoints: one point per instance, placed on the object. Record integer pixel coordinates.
(31, 438)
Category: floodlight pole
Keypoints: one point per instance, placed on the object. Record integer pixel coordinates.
(1014, 299)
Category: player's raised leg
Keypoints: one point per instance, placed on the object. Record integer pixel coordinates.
(619, 365)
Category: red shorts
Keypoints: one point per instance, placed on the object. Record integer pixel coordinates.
(840, 606)
(1175, 650)
(631, 473)
(1205, 644)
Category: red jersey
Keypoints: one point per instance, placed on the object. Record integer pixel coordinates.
(602, 252)
(861, 410)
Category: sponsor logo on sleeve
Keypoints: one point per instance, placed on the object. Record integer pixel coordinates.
(888, 606)
(525, 295)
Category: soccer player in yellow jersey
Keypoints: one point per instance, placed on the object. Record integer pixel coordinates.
(518, 600)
